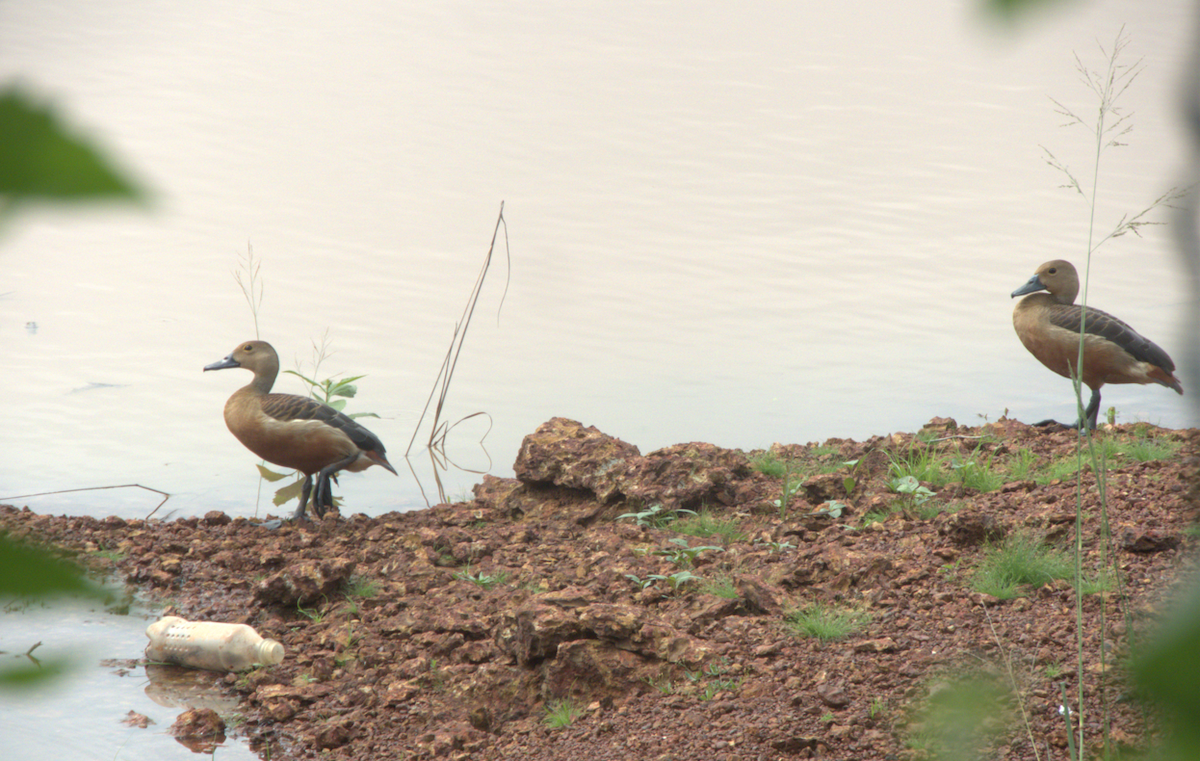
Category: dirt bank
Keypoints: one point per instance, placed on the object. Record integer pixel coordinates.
(448, 632)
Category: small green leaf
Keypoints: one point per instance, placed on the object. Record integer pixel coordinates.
(288, 493)
(268, 474)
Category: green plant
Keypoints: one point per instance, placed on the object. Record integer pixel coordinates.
(333, 393)
(646, 582)
(825, 623)
(1145, 449)
(976, 472)
(960, 715)
(826, 718)
(790, 487)
(706, 524)
(361, 586)
(682, 554)
(1020, 467)
(878, 706)
(661, 683)
(481, 579)
(920, 462)
(313, 614)
(721, 586)
(768, 463)
(561, 713)
(656, 516)
(781, 546)
(1020, 561)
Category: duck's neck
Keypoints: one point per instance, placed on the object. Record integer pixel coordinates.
(264, 378)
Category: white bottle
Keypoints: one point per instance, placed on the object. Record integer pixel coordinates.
(209, 645)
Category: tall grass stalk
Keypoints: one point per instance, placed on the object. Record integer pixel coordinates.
(1108, 127)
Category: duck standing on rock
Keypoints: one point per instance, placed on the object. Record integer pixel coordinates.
(295, 431)
(1049, 326)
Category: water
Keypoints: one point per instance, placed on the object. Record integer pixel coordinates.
(774, 222)
(83, 714)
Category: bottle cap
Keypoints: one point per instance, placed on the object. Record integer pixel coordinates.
(270, 652)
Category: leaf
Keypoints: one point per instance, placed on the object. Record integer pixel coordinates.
(40, 159)
(288, 493)
(270, 475)
(26, 569)
(32, 674)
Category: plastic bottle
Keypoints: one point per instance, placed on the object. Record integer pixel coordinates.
(209, 645)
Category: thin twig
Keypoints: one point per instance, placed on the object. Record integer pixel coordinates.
(98, 488)
(441, 384)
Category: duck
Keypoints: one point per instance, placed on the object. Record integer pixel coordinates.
(1048, 324)
(295, 431)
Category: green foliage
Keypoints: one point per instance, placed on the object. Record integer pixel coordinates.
(1145, 449)
(481, 579)
(675, 581)
(682, 554)
(1168, 671)
(960, 716)
(711, 680)
(919, 462)
(656, 516)
(40, 160)
(707, 524)
(976, 472)
(768, 463)
(825, 623)
(361, 586)
(777, 546)
(334, 393)
(722, 586)
(561, 713)
(1021, 560)
(790, 487)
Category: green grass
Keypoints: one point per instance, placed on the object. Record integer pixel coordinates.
(920, 462)
(1022, 561)
(825, 623)
(707, 524)
(721, 586)
(561, 713)
(1145, 449)
(977, 472)
(1021, 465)
(361, 586)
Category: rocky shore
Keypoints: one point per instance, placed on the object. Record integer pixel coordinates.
(534, 622)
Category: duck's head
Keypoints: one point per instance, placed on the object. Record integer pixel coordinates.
(258, 357)
(1058, 278)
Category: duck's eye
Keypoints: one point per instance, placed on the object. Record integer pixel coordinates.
(247, 347)
(1052, 270)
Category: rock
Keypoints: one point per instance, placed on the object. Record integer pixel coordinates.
(1147, 541)
(970, 529)
(833, 694)
(304, 583)
(562, 452)
(199, 729)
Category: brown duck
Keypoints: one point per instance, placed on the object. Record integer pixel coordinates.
(1049, 325)
(295, 431)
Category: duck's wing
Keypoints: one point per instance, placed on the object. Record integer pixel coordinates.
(1102, 324)
(288, 407)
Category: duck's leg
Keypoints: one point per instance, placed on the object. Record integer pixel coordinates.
(1093, 410)
(324, 496)
(304, 491)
